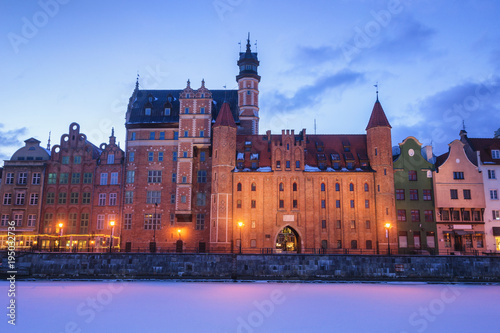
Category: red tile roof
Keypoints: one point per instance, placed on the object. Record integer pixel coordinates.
(225, 117)
(378, 118)
(484, 146)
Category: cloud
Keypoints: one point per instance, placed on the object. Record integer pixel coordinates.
(10, 139)
(440, 117)
(310, 95)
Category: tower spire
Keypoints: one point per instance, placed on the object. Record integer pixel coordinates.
(248, 43)
(376, 87)
(48, 142)
(137, 82)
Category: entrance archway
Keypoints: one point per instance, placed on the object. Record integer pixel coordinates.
(287, 241)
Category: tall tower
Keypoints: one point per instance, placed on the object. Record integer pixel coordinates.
(223, 162)
(379, 146)
(248, 91)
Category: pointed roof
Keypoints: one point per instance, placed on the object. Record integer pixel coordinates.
(378, 118)
(225, 117)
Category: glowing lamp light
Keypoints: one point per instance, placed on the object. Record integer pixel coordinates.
(60, 225)
(387, 225)
(240, 224)
(179, 230)
(112, 223)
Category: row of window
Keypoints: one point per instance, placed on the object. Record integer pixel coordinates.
(153, 221)
(112, 181)
(468, 241)
(281, 187)
(76, 160)
(460, 215)
(74, 198)
(75, 178)
(18, 220)
(281, 204)
(22, 178)
(426, 194)
(415, 215)
(167, 110)
(352, 224)
(155, 176)
(403, 239)
(72, 223)
(20, 199)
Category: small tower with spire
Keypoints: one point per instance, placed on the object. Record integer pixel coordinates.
(248, 91)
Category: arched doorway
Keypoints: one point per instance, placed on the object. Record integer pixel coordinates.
(287, 241)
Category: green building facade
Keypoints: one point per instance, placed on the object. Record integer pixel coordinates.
(416, 221)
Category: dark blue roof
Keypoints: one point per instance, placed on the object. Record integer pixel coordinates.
(160, 100)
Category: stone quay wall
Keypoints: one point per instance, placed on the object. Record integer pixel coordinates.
(301, 267)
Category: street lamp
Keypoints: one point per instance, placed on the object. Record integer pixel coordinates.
(240, 225)
(60, 234)
(179, 232)
(112, 224)
(154, 226)
(387, 227)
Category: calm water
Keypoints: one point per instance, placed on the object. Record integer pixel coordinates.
(250, 307)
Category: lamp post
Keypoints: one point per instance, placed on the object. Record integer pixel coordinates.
(112, 224)
(60, 234)
(179, 232)
(154, 226)
(240, 225)
(387, 227)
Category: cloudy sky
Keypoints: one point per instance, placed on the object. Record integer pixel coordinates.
(436, 63)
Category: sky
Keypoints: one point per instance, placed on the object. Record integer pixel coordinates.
(435, 62)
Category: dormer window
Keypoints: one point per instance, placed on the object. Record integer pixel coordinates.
(150, 99)
(187, 95)
(202, 96)
(202, 110)
(169, 99)
(167, 112)
(186, 110)
(495, 154)
(147, 111)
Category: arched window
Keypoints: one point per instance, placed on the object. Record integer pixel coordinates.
(337, 187)
(254, 187)
(351, 187)
(366, 187)
(295, 187)
(322, 187)
(282, 187)
(238, 187)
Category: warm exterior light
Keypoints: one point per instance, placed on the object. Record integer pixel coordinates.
(60, 225)
(387, 225)
(112, 223)
(240, 224)
(179, 230)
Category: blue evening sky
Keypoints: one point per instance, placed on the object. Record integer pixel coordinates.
(436, 62)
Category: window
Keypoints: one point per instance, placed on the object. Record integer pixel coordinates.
(339, 244)
(186, 110)
(253, 187)
(18, 219)
(369, 245)
(254, 204)
(297, 164)
(200, 199)
(22, 178)
(87, 178)
(238, 187)
(367, 224)
(238, 204)
(366, 187)
(111, 158)
(494, 194)
(337, 203)
(112, 199)
(184, 179)
(31, 220)
(162, 136)
(100, 222)
(77, 160)
(154, 176)
(167, 112)
(403, 239)
(402, 215)
(367, 203)
(186, 134)
(445, 215)
(172, 219)
(151, 135)
(9, 179)
(152, 221)
(20, 198)
(36, 178)
(174, 156)
(62, 198)
(353, 224)
(200, 221)
(323, 187)
(466, 215)
(415, 215)
(202, 176)
(338, 224)
(491, 174)
(84, 223)
(323, 203)
(352, 203)
(400, 194)
(7, 199)
(63, 178)
(176, 135)
(183, 199)
(458, 175)
(294, 187)
(202, 134)
(427, 195)
(323, 224)
(104, 179)
(278, 164)
(114, 178)
(428, 216)
(34, 199)
(132, 138)
(413, 194)
(5, 220)
(50, 198)
(185, 154)
(496, 214)
(130, 177)
(467, 194)
(128, 222)
(75, 178)
(281, 187)
(454, 194)
(202, 156)
(102, 199)
(351, 187)
(495, 154)
(172, 198)
(73, 199)
(295, 204)
(281, 204)
(153, 197)
(65, 160)
(287, 164)
(354, 244)
(129, 197)
(147, 111)
(412, 175)
(337, 187)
